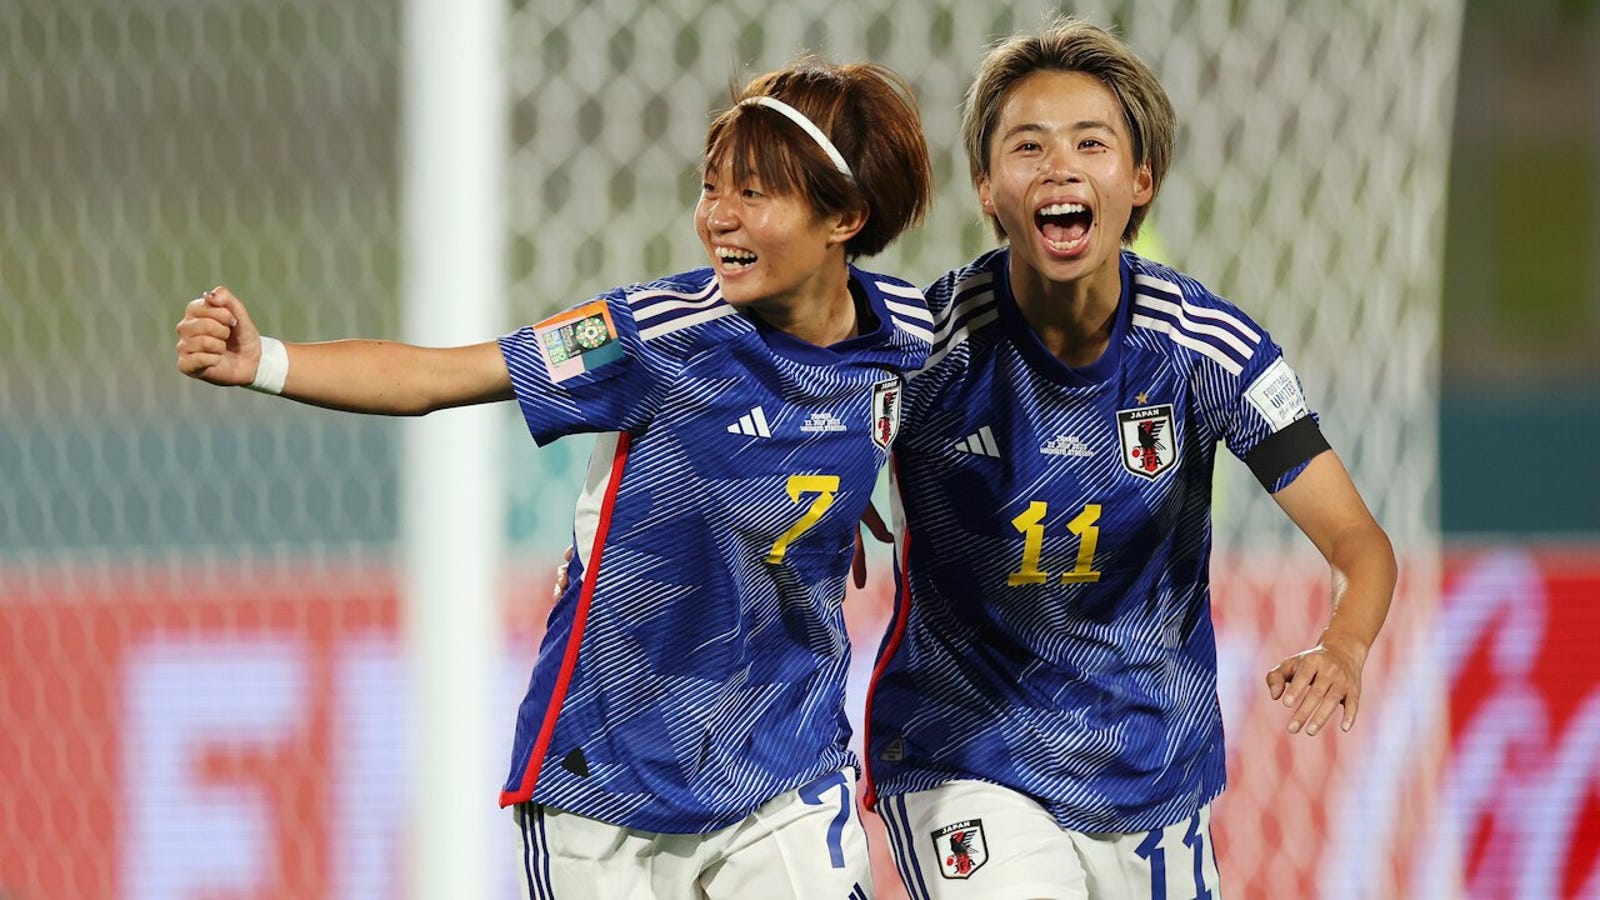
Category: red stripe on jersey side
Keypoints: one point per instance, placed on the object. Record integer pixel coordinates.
(897, 631)
(580, 616)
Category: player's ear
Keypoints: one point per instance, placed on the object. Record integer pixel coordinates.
(985, 195)
(1144, 184)
(846, 224)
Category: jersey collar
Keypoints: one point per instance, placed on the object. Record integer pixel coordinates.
(1034, 351)
(862, 285)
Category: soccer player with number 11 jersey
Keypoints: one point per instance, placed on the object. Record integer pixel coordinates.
(1043, 719)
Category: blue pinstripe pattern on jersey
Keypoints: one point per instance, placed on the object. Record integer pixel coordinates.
(711, 680)
(1012, 682)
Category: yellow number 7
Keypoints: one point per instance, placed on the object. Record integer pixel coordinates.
(824, 486)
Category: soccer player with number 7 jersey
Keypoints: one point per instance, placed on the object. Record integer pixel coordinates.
(1043, 718)
(684, 732)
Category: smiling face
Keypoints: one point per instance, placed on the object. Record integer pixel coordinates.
(1061, 178)
(772, 252)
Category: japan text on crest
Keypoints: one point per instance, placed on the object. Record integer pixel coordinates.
(1148, 439)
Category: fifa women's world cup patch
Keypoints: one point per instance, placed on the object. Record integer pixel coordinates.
(1148, 438)
(886, 411)
(577, 341)
(961, 848)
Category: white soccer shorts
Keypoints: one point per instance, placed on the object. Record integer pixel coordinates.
(807, 844)
(971, 840)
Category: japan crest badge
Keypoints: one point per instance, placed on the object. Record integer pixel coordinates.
(961, 848)
(1149, 440)
(885, 411)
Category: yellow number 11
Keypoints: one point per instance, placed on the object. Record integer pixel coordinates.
(824, 486)
(1031, 524)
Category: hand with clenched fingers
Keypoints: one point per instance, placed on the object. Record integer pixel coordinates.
(217, 342)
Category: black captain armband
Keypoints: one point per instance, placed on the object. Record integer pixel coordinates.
(1297, 443)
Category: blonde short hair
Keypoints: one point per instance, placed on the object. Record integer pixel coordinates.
(1069, 44)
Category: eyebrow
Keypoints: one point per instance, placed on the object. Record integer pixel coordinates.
(1080, 125)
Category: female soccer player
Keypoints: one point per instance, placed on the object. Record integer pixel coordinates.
(1043, 720)
(684, 732)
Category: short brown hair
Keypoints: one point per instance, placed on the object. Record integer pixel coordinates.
(1069, 44)
(869, 114)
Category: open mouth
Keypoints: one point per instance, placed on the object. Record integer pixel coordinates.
(731, 259)
(1064, 226)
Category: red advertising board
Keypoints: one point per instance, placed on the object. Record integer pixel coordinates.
(244, 737)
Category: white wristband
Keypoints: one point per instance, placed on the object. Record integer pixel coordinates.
(273, 369)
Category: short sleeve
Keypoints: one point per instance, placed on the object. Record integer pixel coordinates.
(1269, 425)
(585, 370)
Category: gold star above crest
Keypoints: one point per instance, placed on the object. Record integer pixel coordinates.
(1142, 397)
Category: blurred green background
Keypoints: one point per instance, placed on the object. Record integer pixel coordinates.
(1520, 404)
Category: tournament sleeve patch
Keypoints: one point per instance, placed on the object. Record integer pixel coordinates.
(577, 341)
(1276, 395)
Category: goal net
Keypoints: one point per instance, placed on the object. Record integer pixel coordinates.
(200, 671)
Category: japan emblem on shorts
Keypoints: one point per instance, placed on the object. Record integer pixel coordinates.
(885, 411)
(1149, 444)
(961, 848)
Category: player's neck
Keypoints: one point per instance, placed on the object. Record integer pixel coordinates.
(822, 315)
(1073, 319)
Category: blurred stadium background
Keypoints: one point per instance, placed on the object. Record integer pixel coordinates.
(205, 688)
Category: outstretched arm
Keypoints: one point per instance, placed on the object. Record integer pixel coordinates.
(218, 343)
(1324, 504)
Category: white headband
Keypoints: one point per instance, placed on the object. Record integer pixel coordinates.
(810, 127)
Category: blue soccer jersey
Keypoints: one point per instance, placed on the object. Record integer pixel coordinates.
(1052, 628)
(695, 667)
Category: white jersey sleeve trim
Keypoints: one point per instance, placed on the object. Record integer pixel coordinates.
(961, 334)
(915, 330)
(1183, 340)
(910, 311)
(715, 312)
(1186, 315)
(1200, 312)
(671, 306)
(965, 294)
(915, 310)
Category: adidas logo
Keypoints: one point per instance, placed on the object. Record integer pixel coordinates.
(752, 424)
(894, 751)
(979, 444)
